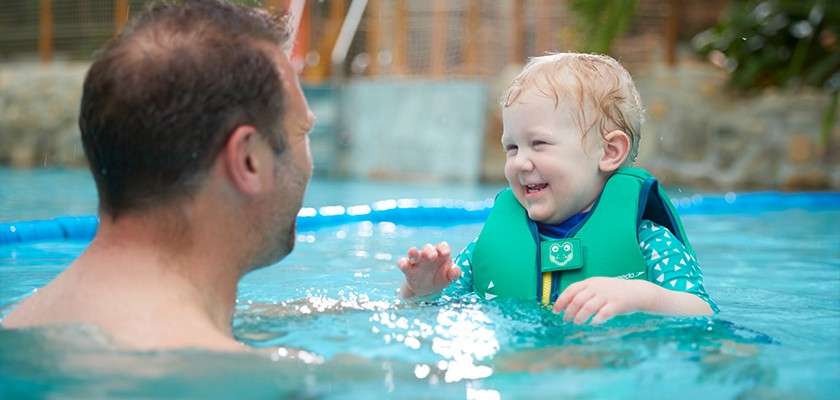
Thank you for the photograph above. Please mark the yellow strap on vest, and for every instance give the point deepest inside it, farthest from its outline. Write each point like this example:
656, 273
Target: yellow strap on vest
546, 288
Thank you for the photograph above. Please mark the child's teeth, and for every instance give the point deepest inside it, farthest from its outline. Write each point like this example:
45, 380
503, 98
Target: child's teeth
534, 188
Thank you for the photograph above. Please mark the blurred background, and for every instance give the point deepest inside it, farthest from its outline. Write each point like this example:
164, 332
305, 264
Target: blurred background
740, 95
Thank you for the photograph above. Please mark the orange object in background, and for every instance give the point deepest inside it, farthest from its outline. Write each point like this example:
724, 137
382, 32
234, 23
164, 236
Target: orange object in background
298, 12
45, 31
121, 11
327, 34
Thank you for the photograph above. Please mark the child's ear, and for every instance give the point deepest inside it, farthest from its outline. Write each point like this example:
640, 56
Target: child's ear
616, 148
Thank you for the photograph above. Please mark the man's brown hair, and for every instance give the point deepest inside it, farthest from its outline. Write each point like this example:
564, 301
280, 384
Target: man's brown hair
162, 98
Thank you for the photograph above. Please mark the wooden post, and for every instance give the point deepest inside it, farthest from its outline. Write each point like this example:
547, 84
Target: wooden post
120, 15
310, 73
517, 53
374, 32
45, 31
672, 32
472, 38
544, 31
331, 30
338, 8
401, 30
439, 39
301, 44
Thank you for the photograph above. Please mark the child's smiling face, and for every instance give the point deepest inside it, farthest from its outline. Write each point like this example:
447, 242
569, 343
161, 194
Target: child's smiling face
551, 167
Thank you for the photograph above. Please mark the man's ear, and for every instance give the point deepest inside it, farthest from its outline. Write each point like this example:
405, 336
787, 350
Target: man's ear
244, 160
616, 146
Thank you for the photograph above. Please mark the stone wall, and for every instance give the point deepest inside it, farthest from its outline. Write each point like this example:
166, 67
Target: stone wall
39, 107
697, 134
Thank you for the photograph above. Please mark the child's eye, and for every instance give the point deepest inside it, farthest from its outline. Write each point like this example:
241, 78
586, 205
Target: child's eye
537, 143
511, 148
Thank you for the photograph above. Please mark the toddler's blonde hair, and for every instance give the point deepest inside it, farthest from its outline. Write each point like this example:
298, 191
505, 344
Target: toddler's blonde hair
597, 82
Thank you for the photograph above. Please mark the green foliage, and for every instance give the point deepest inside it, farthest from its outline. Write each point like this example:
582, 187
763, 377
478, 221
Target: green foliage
777, 43
780, 43
601, 21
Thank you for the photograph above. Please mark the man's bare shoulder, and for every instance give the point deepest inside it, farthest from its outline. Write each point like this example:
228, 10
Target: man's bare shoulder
19, 317
41, 308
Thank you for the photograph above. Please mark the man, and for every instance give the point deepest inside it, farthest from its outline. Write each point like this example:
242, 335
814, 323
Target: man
195, 128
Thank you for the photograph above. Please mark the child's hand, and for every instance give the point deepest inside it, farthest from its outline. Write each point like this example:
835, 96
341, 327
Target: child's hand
427, 271
604, 298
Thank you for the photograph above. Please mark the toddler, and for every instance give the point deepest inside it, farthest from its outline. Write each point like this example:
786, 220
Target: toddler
578, 228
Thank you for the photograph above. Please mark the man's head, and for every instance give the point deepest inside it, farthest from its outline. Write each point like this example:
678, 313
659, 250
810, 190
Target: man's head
194, 90
556, 165
162, 98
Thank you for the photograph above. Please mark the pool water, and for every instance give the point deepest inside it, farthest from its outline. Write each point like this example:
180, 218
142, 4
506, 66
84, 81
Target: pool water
775, 275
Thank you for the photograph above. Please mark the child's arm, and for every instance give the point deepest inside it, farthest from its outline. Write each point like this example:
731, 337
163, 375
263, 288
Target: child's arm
675, 285
603, 298
427, 271
670, 265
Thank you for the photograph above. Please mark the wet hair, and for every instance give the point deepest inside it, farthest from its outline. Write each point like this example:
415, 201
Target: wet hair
161, 99
596, 82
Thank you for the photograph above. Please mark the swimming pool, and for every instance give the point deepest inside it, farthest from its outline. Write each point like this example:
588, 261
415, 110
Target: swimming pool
773, 269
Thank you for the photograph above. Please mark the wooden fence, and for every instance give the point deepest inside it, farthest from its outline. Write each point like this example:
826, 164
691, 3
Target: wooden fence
432, 38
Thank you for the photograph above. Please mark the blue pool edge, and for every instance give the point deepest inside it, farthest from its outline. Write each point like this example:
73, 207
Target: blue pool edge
432, 212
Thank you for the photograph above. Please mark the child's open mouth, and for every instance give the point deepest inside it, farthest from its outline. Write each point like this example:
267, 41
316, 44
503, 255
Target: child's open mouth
536, 188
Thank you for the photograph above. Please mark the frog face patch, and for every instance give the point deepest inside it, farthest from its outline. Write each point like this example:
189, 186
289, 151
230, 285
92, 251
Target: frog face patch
559, 255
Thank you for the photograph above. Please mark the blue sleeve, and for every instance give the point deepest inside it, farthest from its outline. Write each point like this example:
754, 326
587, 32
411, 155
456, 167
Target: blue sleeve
669, 264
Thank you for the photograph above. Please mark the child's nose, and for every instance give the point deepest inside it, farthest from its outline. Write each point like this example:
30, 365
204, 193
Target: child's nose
523, 162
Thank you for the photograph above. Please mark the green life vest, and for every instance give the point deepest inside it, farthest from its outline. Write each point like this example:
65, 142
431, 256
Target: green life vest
511, 260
